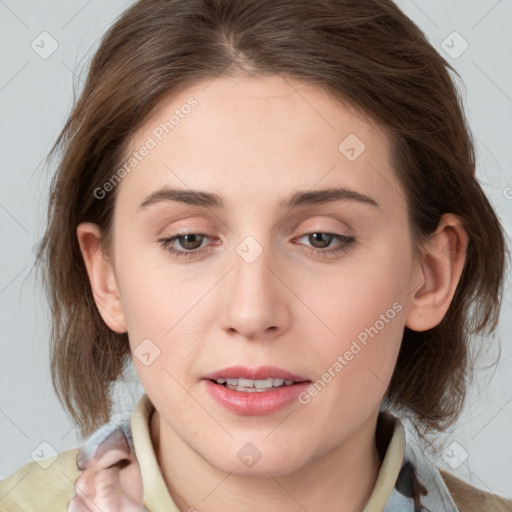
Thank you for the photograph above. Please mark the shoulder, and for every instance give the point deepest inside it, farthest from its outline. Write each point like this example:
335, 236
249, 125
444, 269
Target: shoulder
470, 499
45, 486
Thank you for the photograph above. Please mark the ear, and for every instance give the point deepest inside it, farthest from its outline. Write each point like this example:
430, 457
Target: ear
101, 276
437, 274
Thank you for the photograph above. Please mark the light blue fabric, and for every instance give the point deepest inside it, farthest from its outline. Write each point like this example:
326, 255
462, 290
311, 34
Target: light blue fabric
419, 486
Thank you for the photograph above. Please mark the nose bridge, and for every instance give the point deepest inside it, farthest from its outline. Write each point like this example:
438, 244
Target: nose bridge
254, 302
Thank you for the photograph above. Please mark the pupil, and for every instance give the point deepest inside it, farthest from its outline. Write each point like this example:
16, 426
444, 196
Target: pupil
188, 242
317, 236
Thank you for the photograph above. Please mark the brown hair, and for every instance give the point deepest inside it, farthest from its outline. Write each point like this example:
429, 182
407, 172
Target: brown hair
368, 55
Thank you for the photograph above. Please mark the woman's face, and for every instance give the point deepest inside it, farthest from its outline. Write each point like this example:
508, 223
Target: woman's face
275, 271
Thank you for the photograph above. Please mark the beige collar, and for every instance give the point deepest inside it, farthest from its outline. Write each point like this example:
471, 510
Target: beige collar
157, 497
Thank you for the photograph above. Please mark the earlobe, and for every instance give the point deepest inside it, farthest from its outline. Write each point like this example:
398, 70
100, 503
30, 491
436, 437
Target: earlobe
101, 276
437, 273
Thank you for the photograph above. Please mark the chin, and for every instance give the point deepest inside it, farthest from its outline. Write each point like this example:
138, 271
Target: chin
253, 459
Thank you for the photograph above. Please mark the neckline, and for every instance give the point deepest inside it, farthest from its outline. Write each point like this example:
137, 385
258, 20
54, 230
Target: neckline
389, 435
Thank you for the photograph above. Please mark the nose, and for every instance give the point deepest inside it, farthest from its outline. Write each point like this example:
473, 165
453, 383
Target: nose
255, 297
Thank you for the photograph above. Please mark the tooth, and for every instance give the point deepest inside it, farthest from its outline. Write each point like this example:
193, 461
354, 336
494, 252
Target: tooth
250, 384
245, 383
247, 390
264, 384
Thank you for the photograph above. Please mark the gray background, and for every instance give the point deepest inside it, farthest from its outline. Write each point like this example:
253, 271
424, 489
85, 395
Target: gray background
36, 95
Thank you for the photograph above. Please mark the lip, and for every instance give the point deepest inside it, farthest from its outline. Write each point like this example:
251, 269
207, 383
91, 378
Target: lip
260, 373
255, 403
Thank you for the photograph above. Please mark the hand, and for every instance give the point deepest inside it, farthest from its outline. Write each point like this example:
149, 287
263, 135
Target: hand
111, 480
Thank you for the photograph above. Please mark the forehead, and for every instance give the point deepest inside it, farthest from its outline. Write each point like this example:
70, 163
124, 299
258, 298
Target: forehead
251, 134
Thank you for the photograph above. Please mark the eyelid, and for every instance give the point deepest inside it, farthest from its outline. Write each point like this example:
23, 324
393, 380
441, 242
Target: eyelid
345, 243
184, 223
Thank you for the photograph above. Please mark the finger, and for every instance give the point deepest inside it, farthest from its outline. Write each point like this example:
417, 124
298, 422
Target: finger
100, 490
103, 491
108, 489
115, 441
87, 482
77, 505
85, 489
113, 438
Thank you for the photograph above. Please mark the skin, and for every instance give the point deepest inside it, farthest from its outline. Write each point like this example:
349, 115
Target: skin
255, 141
110, 479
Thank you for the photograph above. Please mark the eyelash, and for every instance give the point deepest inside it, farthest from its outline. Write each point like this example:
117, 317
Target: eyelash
346, 244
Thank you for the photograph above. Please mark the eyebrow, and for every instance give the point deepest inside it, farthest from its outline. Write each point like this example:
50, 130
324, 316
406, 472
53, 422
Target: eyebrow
210, 200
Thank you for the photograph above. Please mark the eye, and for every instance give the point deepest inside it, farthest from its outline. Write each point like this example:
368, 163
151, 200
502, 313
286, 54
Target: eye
189, 241
192, 243
320, 240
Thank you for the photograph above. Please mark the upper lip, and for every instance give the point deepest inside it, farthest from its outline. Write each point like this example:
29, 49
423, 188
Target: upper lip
259, 373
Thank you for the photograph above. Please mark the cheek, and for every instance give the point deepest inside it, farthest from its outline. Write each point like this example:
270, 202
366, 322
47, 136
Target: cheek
352, 296
156, 295
168, 317
362, 308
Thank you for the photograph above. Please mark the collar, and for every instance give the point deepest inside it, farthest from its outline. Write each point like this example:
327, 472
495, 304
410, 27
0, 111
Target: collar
419, 486
407, 480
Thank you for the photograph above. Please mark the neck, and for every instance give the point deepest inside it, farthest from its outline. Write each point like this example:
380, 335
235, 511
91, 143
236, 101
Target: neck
341, 479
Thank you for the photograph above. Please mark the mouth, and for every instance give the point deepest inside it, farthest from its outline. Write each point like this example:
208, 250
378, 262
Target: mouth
254, 386
254, 391
262, 378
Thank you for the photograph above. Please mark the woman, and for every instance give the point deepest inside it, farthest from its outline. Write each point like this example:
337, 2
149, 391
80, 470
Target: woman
272, 207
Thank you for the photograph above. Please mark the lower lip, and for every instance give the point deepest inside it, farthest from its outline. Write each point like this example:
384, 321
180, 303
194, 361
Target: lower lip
255, 403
